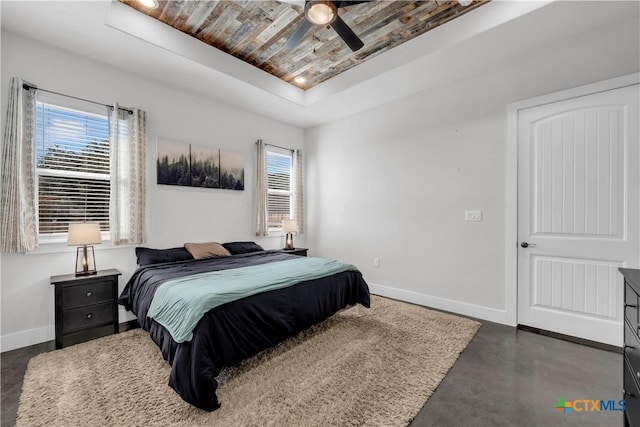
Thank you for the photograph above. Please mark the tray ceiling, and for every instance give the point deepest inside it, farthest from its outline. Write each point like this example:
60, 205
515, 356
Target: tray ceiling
256, 31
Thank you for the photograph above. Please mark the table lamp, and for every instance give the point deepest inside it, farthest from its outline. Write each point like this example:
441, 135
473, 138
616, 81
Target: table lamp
83, 235
289, 226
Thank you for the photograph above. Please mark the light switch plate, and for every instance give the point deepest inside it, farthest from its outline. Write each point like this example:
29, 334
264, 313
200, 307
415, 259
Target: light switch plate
473, 215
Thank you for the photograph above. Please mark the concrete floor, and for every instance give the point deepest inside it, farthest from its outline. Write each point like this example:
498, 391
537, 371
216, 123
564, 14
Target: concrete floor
509, 377
14, 365
505, 377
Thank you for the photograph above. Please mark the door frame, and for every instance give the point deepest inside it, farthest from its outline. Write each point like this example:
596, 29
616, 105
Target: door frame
511, 199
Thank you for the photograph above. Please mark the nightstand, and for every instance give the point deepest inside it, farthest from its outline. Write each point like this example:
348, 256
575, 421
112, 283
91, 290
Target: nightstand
296, 251
85, 306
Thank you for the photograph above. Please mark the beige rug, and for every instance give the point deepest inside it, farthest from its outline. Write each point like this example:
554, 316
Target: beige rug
362, 367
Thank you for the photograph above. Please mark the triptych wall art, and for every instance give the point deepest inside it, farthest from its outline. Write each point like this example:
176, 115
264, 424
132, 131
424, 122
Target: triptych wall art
194, 165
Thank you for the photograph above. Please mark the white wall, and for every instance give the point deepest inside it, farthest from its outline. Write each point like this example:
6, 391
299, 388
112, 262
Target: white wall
174, 215
394, 182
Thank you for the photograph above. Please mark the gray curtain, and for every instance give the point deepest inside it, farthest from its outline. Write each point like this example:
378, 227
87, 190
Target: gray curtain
298, 190
262, 228
19, 231
128, 140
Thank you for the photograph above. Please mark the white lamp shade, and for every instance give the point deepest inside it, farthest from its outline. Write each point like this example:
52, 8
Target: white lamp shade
290, 226
84, 233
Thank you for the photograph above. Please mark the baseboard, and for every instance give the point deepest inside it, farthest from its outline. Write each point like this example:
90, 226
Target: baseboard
26, 338
47, 333
463, 308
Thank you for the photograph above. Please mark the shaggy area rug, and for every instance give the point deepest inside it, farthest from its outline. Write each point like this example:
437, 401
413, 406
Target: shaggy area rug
361, 367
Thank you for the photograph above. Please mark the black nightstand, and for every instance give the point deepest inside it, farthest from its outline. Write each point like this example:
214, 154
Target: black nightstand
86, 306
296, 251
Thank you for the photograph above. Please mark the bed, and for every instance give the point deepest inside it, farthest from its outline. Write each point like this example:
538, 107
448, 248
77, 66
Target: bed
235, 330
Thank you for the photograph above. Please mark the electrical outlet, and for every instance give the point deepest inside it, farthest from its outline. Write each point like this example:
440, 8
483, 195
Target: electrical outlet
376, 262
473, 215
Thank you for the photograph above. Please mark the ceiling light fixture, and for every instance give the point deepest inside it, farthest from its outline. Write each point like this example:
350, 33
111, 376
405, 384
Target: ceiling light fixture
151, 4
320, 12
300, 80
465, 3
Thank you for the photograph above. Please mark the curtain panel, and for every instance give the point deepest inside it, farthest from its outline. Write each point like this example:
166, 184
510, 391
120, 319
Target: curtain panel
18, 232
128, 138
298, 190
261, 190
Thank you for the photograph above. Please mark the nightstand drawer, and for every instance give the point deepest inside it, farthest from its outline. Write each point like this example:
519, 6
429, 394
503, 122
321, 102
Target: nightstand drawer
86, 317
82, 295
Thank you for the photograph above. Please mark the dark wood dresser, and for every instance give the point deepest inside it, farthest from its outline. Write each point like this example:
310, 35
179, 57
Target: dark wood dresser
86, 307
631, 347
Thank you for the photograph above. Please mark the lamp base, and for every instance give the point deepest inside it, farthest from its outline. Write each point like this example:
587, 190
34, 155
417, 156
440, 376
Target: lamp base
85, 261
288, 244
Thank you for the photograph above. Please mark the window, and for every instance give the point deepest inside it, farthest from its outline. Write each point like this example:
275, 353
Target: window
279, 187
72, 163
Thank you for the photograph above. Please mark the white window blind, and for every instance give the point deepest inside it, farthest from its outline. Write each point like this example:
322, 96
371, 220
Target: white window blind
72, 165
279, 191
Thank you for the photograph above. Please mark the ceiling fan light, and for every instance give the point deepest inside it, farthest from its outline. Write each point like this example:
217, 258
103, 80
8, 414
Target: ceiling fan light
465, 3
151, 4
320, 12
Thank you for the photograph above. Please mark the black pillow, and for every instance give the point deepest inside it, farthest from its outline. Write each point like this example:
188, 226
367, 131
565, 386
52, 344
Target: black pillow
148, 256
242, 247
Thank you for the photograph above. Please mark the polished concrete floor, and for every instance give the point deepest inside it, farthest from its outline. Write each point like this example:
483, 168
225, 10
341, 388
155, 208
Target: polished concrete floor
505, 377
509, 377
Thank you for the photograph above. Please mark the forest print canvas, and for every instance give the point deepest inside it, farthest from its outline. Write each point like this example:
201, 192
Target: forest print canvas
173, 163
231, 170
199, 166
205, 166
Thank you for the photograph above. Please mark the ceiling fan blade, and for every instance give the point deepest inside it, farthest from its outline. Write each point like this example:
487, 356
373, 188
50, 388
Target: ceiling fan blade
346, 3
347, 34
302, 30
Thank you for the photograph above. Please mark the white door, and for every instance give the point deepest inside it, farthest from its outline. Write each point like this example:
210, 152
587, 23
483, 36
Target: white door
578, 212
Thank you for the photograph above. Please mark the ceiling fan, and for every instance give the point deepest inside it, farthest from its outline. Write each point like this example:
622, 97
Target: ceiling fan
324, 12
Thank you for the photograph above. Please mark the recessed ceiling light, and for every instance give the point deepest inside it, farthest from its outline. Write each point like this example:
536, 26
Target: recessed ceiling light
465, 2
151, 4
300, 80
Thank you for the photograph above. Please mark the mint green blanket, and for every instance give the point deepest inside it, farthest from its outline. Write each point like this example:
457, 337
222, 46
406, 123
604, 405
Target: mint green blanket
179, 304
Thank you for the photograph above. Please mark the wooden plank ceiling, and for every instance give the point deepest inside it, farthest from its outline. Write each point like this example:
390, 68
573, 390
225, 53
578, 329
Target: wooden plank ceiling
256, 31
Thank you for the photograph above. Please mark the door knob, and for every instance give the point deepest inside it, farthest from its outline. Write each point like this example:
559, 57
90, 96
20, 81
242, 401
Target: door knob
528, 245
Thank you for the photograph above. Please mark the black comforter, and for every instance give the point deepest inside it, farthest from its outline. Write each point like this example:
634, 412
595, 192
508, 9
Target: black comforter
237, 330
